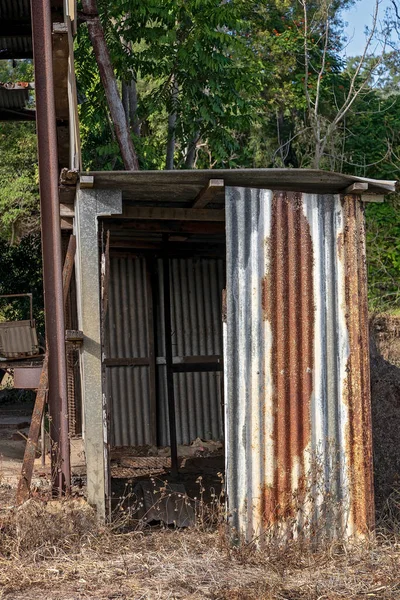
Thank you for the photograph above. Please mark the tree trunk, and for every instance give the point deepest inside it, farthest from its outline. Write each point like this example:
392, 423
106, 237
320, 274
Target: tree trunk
108, 80
125, 100
133, 106
318, 153
191, 152
169, 163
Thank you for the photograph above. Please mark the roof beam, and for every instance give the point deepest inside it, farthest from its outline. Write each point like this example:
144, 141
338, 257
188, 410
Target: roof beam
17, 114
173, 227
10, 29
6, 54
356, 188
208, 193
157, 213
171, 214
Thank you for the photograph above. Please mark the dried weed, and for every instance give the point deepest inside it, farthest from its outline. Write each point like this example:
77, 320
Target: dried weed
57, 551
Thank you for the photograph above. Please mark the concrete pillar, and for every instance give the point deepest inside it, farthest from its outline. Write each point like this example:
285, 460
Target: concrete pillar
89, 205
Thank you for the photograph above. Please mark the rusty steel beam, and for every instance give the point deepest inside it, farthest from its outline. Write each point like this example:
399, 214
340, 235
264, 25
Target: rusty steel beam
24, 484
51, 242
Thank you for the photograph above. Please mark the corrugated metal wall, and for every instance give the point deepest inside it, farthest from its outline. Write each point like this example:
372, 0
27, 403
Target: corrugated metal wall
128, 337
298, 436
196, 289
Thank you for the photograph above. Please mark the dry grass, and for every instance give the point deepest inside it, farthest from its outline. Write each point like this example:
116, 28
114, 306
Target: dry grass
56, 551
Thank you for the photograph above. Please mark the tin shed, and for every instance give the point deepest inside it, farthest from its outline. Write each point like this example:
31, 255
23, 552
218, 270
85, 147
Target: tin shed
277, 365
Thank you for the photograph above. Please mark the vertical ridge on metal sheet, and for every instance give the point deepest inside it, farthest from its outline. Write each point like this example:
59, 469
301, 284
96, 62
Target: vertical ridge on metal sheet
196, 287
298, 432
359, 431
128, 386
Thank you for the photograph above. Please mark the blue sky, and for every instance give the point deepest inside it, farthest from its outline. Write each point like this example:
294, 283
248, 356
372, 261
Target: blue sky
358, 17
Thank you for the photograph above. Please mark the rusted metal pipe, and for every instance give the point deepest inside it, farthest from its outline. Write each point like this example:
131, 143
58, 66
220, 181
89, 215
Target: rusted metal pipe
51, 243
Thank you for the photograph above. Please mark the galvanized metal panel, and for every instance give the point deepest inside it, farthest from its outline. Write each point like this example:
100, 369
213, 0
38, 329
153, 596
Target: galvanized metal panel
128, 386
13, 97
17, 13
196, 289
14, 10
18, 339
196, 286
20, 46
298, 434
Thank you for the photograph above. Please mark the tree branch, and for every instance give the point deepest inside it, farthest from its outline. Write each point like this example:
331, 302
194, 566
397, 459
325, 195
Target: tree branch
108, 80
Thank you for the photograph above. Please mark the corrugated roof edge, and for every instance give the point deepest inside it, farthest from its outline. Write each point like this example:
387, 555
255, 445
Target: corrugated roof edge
19, 85
301, 180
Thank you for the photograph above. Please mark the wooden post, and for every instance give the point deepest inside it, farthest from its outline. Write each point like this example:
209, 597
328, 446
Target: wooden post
24, 484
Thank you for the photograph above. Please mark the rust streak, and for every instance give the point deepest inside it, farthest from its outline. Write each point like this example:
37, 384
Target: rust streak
357, 393
288, 304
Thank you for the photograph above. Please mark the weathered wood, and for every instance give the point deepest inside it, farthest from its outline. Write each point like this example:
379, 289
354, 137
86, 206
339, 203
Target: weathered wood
356, 188
171, 214
86, 181
159, 226
68, 267
185, 185
66, 193
379, 198
208, 193
68, 177
66, 224
108, 80
24, 484
66, 211
74, 335
60, 69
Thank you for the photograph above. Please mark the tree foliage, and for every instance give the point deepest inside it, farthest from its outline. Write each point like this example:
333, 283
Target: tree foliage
237, 83
19, 193
21, 272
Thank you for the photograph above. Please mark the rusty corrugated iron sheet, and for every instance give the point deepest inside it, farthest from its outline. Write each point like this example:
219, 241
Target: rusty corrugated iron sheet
298, 434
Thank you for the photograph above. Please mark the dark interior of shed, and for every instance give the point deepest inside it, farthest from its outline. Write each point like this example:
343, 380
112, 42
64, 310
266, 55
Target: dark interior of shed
162, 289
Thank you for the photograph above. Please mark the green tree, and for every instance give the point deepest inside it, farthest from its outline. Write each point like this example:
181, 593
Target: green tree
19, 192
195, 75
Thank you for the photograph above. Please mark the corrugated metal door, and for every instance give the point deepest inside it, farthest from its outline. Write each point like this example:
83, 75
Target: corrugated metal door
196, 290
135, 350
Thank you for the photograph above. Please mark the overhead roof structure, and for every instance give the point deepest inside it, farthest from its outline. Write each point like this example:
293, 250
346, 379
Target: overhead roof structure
15, 29
184, 186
